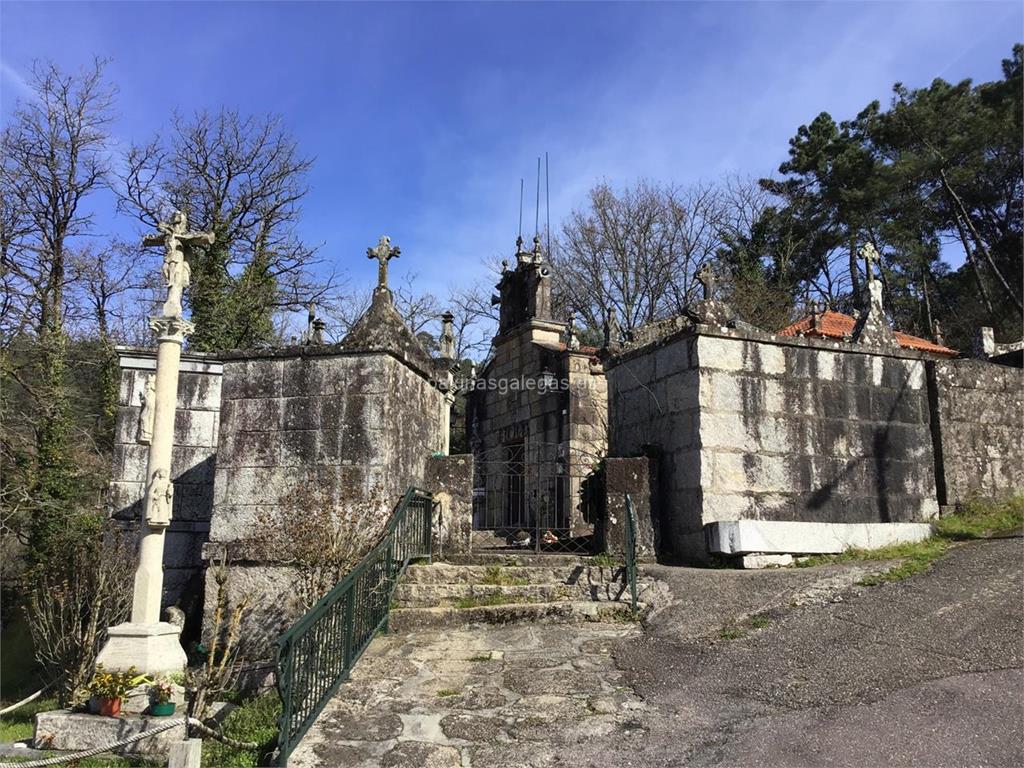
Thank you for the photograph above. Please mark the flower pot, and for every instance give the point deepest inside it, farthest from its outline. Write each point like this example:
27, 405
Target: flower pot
110, 707
162, 709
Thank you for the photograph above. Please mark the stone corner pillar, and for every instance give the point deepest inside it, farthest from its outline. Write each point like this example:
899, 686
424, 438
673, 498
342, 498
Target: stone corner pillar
450, 479
632, 476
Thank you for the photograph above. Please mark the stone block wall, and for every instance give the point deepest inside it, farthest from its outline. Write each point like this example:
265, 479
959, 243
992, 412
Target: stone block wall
654, 411
801, 432
193, 460
980, 437
349, 426
749, 426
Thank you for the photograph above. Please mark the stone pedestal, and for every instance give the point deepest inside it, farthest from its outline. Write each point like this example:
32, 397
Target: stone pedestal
151, 648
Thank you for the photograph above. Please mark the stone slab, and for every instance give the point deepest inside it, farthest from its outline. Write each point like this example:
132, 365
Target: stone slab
69, 731
752, 562
776, 537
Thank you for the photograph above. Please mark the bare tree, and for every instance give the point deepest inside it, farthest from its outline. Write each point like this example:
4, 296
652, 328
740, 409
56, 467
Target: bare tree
54, 157
243, 178
475, 320
634, 252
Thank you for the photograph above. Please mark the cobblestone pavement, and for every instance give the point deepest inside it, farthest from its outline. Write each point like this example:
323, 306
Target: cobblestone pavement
482, 696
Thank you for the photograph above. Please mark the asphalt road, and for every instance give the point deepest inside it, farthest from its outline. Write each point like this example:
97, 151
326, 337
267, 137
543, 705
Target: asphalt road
922, 672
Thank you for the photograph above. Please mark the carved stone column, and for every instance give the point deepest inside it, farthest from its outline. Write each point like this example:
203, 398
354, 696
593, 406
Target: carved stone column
145, 642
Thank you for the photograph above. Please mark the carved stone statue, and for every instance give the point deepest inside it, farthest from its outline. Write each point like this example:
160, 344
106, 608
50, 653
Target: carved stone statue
160, 499
174, 237
147, 411
612, 332
383, 253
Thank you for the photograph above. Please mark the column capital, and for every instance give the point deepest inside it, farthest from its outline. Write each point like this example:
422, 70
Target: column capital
171, 328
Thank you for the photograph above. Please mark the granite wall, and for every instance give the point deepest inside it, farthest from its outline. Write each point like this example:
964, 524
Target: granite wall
745, 425
192, 463
351, 426
979, 439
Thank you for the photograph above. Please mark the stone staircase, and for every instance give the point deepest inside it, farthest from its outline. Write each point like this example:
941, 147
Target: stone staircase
499, 588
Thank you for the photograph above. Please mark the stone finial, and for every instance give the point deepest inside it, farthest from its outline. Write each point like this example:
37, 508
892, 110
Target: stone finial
871, 257
872, 328
985, 342
319, 326
538, 255
174, 236
447, 340
612, 332
706, 277
937, 334
383, 252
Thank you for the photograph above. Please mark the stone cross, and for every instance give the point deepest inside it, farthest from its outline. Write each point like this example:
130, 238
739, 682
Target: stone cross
383, 253
870, 256
174, 236
706, 277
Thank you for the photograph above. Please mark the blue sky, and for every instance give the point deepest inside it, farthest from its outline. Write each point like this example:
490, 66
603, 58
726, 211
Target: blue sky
423, 117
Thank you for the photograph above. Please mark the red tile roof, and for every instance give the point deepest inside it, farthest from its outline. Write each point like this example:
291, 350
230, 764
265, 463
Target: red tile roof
836, 325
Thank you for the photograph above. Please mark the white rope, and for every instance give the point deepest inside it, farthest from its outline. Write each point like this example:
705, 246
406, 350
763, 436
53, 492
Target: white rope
198, 725
23, 702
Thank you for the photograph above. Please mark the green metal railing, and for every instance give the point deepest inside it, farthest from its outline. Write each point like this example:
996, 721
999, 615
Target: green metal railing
631, 550
315, 656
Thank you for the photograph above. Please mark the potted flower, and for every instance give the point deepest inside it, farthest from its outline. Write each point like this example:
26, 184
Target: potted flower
108, 688
161, 692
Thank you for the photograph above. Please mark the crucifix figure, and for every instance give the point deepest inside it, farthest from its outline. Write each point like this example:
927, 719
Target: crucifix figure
174, 237
383, 253
706, 277
870, 256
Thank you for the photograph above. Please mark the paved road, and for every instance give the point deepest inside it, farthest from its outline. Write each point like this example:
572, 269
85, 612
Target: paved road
923, 672
816, 671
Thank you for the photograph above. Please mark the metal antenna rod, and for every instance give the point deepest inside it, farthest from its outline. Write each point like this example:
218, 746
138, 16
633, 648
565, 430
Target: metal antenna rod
536, 215
520, 209
547, 201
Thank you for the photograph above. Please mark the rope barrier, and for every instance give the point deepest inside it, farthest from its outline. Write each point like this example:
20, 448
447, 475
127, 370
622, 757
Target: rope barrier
193, 722
23, 702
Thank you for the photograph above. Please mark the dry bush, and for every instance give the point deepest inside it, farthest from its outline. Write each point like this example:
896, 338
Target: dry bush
71, 602
219, 673
319, 537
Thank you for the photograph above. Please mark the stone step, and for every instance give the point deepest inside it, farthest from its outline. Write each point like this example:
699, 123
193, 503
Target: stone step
513, 575
517, 557
411, 619
426, 595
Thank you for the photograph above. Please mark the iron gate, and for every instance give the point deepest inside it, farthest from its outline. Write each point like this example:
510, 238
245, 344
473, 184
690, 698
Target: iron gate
538, 497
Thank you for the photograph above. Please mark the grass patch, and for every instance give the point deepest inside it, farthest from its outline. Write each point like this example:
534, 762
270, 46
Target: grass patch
488, 600
973, 520
732, 633
480, 657
494, 575
255, 720
608, 561
736, 631
20, 724
445, 693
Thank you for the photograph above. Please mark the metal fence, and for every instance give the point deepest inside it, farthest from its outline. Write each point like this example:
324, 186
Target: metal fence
631, 535
315, 656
